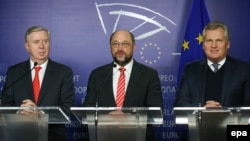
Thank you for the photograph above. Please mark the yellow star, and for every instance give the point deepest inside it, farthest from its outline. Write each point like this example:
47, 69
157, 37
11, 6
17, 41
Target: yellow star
185, 45
199, 38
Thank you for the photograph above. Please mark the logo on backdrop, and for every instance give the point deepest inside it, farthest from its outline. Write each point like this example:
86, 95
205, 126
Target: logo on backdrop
146, 24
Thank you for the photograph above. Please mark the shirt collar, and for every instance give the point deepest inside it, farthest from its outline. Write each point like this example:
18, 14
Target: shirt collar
128, 67
44, 65
221, 63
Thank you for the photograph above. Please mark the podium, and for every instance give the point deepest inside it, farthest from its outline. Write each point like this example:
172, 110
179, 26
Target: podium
15, 126
206, 124
130, 125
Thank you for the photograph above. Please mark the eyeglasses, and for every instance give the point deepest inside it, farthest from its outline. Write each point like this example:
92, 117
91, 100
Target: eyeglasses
117, 44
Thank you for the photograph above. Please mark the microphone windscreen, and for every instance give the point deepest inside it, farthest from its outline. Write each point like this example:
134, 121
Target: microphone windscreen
35, 63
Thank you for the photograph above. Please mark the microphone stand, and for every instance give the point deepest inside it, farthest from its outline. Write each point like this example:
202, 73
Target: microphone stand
96, 120
199, 122
18, 79
199, 114
97, 99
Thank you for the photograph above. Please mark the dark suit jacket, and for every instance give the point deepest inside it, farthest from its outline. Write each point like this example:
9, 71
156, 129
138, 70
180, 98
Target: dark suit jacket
57, 87
235, 87
144, 87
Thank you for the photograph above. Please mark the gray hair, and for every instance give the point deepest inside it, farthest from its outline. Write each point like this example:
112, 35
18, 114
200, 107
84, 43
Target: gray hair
35, 29
215, 25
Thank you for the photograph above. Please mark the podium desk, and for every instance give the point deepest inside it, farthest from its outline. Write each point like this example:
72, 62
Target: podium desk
130, 125
15, 126
206, 124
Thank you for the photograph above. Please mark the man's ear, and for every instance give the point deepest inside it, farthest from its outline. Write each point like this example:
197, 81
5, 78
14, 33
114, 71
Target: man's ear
26, 46
228, 44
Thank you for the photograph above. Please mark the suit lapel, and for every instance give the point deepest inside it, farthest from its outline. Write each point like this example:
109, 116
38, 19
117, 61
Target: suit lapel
29, 86
47, 80
107, 88
228, 71
134, 78
201, 77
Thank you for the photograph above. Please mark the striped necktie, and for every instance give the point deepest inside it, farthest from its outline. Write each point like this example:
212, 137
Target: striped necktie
120, 88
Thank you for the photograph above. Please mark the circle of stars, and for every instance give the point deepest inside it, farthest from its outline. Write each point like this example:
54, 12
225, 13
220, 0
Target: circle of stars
158, 53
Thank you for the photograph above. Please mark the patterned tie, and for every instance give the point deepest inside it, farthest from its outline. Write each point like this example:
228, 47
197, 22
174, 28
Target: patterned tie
36, 84
120, 88
216, 67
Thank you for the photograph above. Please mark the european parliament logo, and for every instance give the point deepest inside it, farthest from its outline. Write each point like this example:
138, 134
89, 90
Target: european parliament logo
150, 27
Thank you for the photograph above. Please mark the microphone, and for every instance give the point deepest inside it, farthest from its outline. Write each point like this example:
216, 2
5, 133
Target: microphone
18, 79
203, 87
103, 82
199, 116
97, 98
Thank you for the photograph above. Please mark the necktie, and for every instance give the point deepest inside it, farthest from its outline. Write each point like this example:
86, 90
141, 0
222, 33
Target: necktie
36, 84
216, 67
120, 88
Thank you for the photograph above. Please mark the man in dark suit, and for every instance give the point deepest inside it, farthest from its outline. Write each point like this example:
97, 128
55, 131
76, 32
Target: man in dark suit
142, 85
217, 81
56, 80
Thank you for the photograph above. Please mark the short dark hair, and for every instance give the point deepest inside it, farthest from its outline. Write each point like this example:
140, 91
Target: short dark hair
130, 33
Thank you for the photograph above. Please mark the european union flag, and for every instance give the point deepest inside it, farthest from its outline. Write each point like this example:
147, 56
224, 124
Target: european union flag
192, 43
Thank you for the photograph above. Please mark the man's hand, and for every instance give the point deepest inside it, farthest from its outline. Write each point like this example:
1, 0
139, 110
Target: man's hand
212, 103
31, 108
117, 112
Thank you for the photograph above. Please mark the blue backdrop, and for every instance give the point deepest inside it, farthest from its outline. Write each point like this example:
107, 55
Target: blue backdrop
80, 39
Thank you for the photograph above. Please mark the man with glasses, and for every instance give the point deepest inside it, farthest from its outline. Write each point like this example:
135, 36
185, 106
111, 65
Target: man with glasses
141, 86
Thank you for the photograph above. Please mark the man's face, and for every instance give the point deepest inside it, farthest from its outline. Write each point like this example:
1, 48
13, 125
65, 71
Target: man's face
122, 47
215, 45
38, 46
